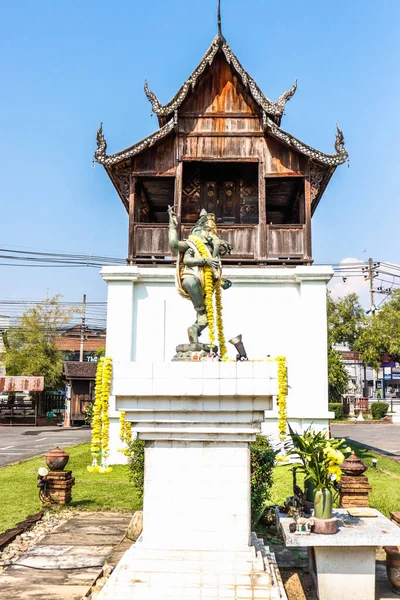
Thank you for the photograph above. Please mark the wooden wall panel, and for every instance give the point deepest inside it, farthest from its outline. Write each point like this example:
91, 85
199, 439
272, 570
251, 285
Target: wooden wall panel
152, 240
157, 160
242, 238
286, 241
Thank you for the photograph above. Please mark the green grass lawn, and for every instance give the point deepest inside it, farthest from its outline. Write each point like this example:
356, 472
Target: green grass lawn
385, 481
92, 491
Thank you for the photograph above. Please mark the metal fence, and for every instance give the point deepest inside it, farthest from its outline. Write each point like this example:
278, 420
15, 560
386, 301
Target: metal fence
52, 402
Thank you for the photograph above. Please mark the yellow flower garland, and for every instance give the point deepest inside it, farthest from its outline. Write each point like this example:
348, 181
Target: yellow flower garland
125, 433
101, 423
282, 396
210, 286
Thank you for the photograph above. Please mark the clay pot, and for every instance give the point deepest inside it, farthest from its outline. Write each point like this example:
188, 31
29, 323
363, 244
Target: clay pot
393, 567
56, 459
323, 504
353, 466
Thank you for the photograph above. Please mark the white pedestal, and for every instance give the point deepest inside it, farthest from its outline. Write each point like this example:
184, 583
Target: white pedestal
279, 311
345, 573
197, 420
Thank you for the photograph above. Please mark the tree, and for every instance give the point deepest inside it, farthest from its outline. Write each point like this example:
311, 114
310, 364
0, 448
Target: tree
381, 333
346, 322
30, 346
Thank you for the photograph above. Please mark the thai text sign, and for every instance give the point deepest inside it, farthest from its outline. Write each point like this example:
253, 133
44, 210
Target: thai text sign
21, 384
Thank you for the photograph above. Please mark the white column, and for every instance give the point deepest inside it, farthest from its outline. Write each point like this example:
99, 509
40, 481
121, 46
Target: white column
345, 573
197, 495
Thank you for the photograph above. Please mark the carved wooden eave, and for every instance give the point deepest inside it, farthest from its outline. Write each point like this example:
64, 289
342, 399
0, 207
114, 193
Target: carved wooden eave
118, 165
322, 165
274, 110
107, 160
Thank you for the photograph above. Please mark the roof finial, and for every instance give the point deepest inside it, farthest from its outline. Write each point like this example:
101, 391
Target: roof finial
219, 18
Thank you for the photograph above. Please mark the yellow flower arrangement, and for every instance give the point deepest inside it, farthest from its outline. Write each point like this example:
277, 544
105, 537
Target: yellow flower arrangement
282, 396
211, 286
125, 433
101, 422
220, 325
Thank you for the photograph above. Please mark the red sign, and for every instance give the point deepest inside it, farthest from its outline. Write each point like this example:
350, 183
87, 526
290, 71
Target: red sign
21, 384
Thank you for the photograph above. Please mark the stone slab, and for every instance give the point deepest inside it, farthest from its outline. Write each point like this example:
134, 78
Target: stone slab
14, 575
66, 571
65, 557
101, 531
43, 592
90, 539
353, 531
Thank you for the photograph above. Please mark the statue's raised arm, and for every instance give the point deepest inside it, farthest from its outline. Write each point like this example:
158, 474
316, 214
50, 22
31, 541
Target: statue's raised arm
174, 242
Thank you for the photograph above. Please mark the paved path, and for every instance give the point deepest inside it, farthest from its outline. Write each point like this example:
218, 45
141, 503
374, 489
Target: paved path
382, 438
18, 443
64, 564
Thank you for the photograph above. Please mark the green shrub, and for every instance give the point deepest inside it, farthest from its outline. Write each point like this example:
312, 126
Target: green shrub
262, 459
136, 466
337, 408
379, 410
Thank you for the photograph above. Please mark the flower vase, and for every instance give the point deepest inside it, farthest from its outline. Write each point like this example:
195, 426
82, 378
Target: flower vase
323, 504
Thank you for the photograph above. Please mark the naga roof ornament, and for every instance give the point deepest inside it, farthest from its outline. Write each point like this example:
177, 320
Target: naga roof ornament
101, 157
331, 160
101, 145
274, 109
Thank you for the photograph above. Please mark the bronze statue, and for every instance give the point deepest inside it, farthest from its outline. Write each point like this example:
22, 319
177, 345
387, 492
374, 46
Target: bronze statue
191, 264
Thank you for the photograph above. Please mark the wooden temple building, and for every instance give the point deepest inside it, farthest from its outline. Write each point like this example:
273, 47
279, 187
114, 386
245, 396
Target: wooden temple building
220, 146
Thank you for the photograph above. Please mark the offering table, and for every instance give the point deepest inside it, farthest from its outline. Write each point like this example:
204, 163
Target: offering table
343, 564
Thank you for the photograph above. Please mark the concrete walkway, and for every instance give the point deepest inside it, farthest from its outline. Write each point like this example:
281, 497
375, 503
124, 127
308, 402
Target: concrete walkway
380, 437
65, 563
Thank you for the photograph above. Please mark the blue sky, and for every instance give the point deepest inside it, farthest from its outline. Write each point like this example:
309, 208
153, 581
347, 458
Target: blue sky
66, 66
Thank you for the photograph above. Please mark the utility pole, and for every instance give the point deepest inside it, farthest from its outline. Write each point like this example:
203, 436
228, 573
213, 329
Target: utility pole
82, 329
371, 286
372, 273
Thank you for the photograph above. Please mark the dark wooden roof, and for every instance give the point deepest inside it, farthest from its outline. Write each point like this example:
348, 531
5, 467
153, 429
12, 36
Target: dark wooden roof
79, 370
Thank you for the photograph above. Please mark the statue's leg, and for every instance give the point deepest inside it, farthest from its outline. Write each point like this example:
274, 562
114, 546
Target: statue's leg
192, 286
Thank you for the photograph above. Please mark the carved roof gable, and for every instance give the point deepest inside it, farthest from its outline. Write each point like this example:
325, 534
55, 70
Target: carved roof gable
273, 109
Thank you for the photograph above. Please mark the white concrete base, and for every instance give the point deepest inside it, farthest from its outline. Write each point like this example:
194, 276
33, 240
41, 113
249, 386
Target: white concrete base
144, 574
197, 494
345, 573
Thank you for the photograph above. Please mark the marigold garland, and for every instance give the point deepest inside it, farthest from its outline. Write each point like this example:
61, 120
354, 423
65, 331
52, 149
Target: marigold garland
282, 395
101, 423
125, 433
210, 286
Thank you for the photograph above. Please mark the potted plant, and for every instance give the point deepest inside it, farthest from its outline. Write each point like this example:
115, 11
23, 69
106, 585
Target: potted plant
320, 458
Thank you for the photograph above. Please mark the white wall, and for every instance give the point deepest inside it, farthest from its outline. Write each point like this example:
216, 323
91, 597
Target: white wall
279, 311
